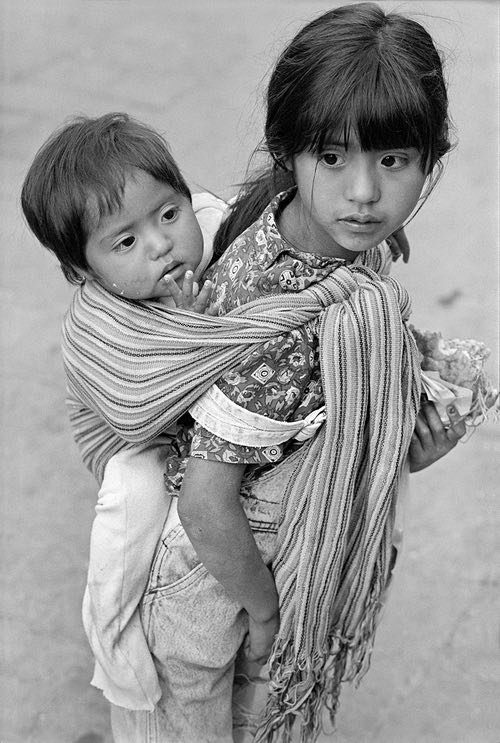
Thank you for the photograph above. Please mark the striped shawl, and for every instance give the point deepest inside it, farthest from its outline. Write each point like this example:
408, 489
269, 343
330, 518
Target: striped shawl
141, 366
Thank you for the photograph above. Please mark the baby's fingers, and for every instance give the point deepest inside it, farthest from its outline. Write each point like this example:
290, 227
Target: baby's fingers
189, 289
174, 291
203, 299
184, 298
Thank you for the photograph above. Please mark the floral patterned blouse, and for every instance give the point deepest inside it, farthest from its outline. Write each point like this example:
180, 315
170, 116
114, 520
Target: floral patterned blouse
282, 379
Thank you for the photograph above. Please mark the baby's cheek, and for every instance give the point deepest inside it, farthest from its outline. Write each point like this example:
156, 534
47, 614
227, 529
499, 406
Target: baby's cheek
137, 287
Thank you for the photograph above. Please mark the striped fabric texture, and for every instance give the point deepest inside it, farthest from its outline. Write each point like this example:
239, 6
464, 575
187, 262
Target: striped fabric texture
335, 535
138, 367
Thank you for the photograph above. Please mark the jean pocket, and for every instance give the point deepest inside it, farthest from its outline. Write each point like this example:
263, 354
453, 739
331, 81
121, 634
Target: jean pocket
175, 565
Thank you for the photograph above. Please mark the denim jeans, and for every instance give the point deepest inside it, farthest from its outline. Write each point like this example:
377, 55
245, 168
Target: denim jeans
210, 692
195, 630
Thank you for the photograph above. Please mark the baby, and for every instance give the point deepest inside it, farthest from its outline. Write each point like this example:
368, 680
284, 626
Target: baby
105, 196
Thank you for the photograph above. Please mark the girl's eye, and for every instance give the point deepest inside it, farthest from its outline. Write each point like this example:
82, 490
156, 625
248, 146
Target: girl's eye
125, 243
169, 214
393, 162
332, 159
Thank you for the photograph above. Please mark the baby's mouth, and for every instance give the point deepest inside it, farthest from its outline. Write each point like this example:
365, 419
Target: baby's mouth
169, 271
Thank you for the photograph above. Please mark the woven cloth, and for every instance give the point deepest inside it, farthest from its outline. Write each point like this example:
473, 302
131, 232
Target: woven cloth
133, 368
338, 510
141, 366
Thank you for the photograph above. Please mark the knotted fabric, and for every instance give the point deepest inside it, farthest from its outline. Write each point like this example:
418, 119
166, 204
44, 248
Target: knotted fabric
338, 509
140, 366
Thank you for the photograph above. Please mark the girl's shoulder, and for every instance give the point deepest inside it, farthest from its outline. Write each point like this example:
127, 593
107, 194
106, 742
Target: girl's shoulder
210, 210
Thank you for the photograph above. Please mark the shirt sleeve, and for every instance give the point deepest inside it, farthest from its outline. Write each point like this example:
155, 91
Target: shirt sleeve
280, 380
206, 445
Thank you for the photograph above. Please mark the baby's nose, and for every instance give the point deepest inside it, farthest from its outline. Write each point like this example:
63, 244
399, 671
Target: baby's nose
159, 245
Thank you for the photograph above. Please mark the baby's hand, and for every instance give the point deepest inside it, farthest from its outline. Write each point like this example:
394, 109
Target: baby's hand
260, 638
190, 297
431, 440
399, 245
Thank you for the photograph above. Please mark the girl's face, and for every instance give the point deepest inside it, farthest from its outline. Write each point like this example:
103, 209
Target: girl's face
154, 234
348, 201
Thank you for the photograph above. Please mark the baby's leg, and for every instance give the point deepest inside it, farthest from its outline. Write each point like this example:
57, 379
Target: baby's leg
194, 630
130, 513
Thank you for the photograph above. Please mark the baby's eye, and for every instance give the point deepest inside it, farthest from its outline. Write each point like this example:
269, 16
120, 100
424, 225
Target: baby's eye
332, 159
125, 243
393, 162
169, 214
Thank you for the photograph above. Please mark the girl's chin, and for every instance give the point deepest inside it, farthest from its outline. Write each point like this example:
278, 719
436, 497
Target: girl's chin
361, 245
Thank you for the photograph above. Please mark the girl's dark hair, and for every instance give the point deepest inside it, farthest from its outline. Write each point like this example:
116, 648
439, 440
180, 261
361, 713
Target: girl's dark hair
353, 69
79, 175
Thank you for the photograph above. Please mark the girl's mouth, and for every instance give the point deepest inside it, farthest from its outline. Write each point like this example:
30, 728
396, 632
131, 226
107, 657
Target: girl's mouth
360, 219
366, 224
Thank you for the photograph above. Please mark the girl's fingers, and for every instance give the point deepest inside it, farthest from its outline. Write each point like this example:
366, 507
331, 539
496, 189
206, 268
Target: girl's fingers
393, 245
416, 444
430, 426
457, 424
399, 245
432, 418
425, 423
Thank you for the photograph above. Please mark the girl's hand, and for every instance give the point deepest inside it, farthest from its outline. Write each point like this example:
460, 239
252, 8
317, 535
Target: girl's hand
431, 440
260, 638
399, 245
190, 297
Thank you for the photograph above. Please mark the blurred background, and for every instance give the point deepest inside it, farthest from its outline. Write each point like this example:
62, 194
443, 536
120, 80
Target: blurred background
197, 70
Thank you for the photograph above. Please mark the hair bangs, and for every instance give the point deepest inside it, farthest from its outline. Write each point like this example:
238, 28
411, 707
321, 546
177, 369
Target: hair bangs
380, 108
103, 181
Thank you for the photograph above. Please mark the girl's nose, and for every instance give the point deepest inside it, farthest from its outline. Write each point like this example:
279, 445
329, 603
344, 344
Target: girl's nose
362, 185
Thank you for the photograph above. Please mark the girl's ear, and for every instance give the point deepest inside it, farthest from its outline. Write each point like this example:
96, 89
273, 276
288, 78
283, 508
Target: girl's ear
288, 164
284, 163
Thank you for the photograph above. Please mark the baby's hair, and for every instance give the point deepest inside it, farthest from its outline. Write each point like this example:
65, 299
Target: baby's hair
79, 175
354, 70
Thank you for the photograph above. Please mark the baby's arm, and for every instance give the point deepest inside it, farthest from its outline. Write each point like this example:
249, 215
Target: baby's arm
130, 512
431, 440
211, 513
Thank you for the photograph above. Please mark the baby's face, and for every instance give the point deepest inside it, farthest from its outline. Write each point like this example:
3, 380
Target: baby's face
154, 234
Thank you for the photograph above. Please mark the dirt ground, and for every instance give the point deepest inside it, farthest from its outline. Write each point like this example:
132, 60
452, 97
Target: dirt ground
197, 71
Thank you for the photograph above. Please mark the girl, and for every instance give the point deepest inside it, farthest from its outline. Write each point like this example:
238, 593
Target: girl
356, 127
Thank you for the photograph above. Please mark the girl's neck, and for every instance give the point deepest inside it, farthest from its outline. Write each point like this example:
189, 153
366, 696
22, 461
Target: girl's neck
299, 231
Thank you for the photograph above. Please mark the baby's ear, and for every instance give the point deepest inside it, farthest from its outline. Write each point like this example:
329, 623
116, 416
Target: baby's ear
86, 275
90, 275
